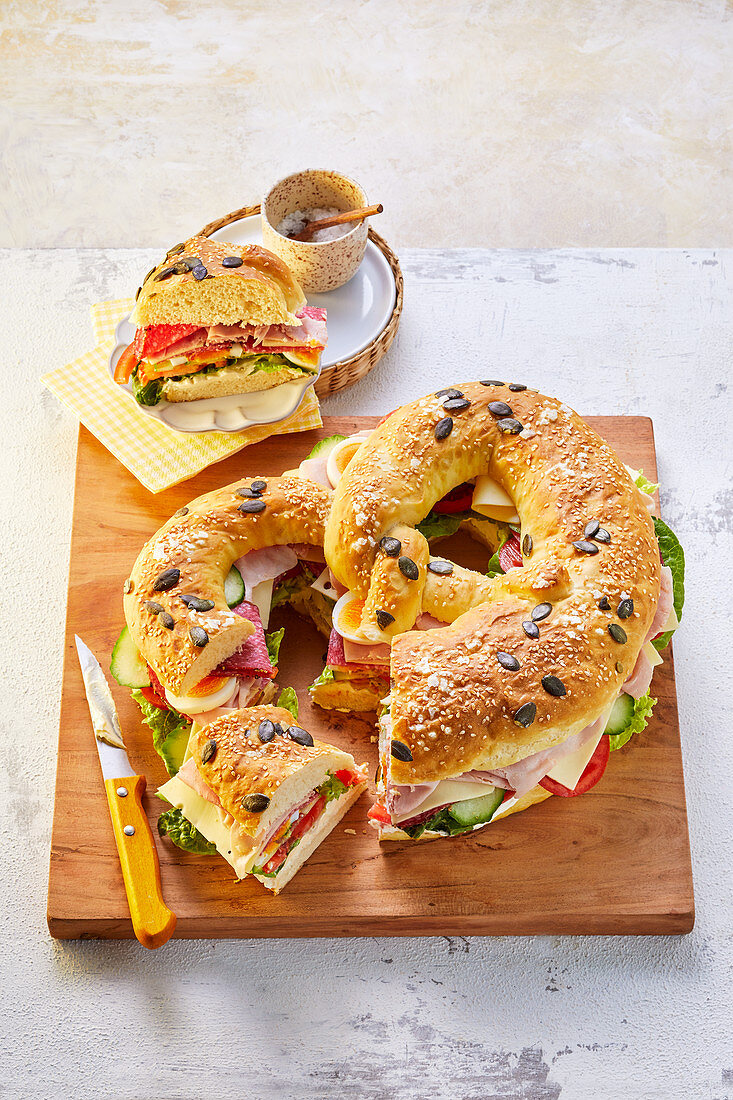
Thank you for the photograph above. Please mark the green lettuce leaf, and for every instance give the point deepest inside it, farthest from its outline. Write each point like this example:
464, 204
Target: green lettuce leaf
436, 526
644, 484
332, 788
180, 830
170, 731
326, 677
640, 716
273, 362
673, 557
273, 641
441, 822
146, 393
289, 700
494, 569
287, 589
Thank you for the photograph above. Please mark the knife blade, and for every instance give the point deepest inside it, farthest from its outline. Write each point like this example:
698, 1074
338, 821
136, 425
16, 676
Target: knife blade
152, 921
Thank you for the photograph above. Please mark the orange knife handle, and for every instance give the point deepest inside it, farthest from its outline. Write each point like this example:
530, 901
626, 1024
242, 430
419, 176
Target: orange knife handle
152, 920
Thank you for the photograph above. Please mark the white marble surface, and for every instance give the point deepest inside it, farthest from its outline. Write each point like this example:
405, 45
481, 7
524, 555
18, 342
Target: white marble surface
446, 1019
497, 123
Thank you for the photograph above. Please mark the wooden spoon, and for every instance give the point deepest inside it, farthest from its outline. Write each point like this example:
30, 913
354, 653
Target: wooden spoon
337, 219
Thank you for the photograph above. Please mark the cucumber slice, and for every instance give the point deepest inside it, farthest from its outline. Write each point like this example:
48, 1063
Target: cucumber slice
477, 811
233, 587
325, 446
621, 715
127, 666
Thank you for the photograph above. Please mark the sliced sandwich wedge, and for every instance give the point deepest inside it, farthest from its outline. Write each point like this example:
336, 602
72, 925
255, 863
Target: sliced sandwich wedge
263, 792
215, 319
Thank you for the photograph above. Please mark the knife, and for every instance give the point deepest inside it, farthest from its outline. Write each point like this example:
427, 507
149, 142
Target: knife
152, 921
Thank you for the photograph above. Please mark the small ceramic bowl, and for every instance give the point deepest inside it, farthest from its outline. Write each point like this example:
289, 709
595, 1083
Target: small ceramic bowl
317, 265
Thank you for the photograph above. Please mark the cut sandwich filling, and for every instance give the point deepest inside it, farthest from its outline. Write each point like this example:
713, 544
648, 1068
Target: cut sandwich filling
265, 579
170, 353
263, 855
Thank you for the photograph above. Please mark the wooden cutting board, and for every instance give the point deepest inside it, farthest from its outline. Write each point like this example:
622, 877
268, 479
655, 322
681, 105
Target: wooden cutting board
616, 860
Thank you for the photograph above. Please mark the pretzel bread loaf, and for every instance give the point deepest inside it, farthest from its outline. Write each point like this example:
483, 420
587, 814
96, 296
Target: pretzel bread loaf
191, 555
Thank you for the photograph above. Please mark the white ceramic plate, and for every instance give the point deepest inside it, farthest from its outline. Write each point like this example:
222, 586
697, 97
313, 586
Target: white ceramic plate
357, 313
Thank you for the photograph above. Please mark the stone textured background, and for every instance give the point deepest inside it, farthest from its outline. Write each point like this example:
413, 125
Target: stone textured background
509, 123
492, 124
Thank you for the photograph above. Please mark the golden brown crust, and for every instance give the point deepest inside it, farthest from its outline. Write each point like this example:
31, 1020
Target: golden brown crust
202, 541
394, 589
452, 703
241, 765
263, 289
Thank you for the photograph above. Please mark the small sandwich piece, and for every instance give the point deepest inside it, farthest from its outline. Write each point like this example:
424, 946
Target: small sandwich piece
263, 791
215, 319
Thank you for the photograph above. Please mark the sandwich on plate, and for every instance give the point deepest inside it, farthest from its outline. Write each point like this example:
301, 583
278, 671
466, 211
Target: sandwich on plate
215, 319
259, 790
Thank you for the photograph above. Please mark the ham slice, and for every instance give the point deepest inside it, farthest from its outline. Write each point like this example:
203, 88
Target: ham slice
251, 659
640, 678
310, 333
526, 774
338, 656
314, 469
520, 777
305, 552
265, 565
428, 622
189, 774
665, 605
375, 655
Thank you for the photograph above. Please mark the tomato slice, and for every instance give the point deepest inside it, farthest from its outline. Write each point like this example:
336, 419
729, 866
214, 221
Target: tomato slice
594, 769
347, 778
300, 827
510, 555
152, 697
125, 365
379, 813
457, 500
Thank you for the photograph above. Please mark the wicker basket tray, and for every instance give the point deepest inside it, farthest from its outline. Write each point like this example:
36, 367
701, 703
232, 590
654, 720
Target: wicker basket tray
341, 375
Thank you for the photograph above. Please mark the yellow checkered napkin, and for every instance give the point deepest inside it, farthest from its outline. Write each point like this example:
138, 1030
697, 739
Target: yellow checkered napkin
158, 456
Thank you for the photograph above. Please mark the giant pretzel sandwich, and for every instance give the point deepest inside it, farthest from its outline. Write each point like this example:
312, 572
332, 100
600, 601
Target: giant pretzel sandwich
493, 690
516, 681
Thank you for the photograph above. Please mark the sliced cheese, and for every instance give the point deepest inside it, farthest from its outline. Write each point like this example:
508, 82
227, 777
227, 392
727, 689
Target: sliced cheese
672, 622
447, 792
490, 500
210, 821
262, 599
569, 770
324, 585
653, 655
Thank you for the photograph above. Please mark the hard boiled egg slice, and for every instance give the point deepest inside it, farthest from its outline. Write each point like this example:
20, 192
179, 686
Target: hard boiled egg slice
342, 454
490, 500
212, 691
346, 618
304, 357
